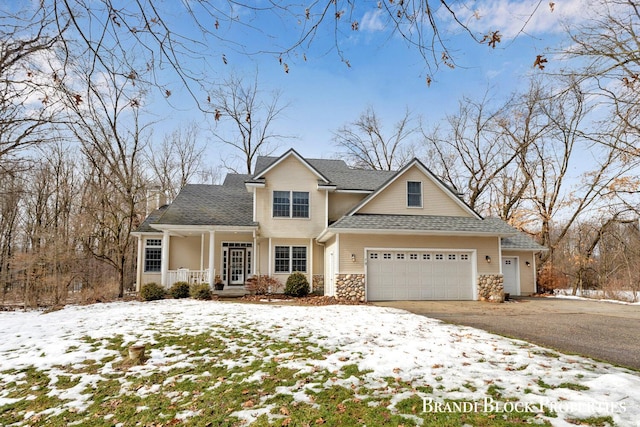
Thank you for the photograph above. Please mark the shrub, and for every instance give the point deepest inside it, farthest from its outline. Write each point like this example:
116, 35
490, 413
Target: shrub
151, 292
262, 285
200, 291
297, 285
179, 290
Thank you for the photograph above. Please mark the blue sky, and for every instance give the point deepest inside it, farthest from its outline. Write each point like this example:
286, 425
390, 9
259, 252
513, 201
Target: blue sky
324, 94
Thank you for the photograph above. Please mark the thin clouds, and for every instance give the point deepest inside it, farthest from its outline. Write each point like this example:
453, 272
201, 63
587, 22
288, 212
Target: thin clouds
514, 17
372, 21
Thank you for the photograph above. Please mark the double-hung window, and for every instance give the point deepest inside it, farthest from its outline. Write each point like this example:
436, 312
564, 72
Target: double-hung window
153, 256
289, 259
291, 204
414, 194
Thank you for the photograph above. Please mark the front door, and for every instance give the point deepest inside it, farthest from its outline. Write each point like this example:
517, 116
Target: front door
237, 257
510, 275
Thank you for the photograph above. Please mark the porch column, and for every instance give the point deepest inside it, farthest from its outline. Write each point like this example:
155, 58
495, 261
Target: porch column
165, 258
202, 252
311, 264
254, 258
139, 263
269, 268
212, 248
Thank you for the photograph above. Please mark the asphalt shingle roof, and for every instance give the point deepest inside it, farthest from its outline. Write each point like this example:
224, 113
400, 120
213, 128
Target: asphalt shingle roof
146, 227
522, 242
422, 223
339, 173
202, 204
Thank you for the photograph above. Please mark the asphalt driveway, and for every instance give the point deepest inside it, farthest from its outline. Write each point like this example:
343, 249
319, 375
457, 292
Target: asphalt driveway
605, 331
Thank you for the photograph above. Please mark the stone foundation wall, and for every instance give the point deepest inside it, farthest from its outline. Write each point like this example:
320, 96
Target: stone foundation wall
350, 287
318, 284
491, 288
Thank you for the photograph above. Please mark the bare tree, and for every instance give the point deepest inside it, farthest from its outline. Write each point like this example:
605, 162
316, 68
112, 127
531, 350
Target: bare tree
608, 65
25, 114
104, 117
471, 151
177, 160
364, 143
244, 119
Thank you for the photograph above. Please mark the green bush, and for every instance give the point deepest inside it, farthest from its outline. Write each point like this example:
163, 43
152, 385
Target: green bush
200, 291
297, 285
179, 290
152, 291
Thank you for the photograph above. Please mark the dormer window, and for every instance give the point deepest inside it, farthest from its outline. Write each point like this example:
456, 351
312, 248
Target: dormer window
291, 204
414, 194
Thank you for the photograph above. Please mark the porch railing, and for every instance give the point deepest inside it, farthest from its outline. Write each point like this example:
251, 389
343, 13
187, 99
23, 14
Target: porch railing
186, 275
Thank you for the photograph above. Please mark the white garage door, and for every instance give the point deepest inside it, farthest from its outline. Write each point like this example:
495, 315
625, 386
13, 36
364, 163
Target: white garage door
419, 275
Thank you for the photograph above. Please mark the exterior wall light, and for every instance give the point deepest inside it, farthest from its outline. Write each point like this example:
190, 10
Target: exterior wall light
528, 264
488, 258
353, 257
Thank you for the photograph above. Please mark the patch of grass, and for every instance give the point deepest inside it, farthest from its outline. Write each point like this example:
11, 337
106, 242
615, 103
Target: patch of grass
470, 386
546, 353
570, 386
573, 386
494, 391
593, 421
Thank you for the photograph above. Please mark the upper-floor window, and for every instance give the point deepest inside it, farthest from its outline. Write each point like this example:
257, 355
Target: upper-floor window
291, 204
153, 256
414, 194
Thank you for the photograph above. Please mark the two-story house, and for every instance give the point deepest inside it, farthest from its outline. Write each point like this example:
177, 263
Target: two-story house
356, 234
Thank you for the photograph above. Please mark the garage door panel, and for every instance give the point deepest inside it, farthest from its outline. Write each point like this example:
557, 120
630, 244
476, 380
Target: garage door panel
419, 275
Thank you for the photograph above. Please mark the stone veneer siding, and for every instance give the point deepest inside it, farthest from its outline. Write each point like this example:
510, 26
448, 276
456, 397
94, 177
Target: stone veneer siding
491, 288
350, 287
318, 284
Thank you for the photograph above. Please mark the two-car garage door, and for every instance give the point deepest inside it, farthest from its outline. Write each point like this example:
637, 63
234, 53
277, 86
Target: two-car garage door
419, 275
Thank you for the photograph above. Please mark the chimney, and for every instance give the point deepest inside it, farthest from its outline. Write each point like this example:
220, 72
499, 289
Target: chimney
155, 198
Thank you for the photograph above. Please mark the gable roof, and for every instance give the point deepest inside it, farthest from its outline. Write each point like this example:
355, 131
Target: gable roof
338, 173
264, 169
437, 181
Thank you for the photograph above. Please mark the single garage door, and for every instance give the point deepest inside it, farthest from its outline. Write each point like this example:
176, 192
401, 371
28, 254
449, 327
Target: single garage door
419, 275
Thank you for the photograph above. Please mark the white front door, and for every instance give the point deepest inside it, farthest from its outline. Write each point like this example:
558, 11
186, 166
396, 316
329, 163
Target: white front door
236, 266
510, 275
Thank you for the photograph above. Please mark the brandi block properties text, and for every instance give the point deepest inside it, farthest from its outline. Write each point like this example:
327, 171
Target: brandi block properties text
489, 405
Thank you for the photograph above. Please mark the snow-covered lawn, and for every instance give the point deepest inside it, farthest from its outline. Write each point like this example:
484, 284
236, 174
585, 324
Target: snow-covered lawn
66, 367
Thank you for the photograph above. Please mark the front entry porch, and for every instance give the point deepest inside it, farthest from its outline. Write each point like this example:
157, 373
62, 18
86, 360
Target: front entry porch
198, 254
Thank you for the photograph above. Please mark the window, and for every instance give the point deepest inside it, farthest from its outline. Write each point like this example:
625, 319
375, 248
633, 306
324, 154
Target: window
300, 204
153, 256
414, 194
290, 258
281, 204
291, 204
